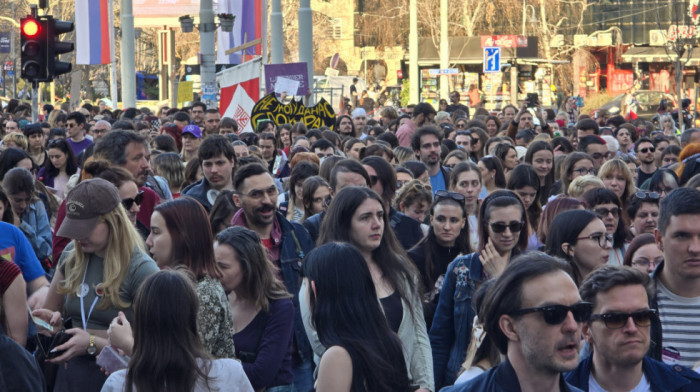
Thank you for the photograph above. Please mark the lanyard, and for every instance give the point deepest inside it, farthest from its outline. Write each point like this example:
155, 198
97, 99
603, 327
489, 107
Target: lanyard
83, 292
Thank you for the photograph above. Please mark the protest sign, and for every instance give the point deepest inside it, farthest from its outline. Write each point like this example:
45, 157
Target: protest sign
270, 108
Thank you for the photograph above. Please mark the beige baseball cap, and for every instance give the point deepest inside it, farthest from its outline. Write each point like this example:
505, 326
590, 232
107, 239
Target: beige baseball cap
85, 204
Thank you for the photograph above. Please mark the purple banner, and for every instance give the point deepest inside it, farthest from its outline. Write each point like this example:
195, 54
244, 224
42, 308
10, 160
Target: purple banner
4, 42
293, 71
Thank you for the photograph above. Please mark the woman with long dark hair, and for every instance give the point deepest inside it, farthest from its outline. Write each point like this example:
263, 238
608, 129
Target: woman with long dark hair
492, 176
605, 203
525, 182
541, 156
182, 237
168, 353
263, 313
466, 179
580, 238
61, 165
357, 216
363, 353
447, 238
502, 235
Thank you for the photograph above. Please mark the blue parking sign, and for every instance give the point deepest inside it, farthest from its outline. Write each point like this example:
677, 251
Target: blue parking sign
492, 59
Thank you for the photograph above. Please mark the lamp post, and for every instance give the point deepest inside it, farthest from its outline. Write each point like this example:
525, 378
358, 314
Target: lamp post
682, 47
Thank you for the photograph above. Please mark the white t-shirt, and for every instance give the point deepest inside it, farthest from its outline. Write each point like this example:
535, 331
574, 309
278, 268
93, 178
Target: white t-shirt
226, 375
469, 374
643, 385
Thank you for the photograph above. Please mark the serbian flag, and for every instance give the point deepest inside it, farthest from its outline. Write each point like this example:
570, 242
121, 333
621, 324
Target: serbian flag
240, 90
94, 32
247, 27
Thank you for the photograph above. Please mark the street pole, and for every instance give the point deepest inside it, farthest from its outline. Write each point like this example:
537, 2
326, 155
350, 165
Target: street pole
206, 47
276, 48
14, 56
524, 12
306, 36
444, 50
35, 101
414, 77
127, 56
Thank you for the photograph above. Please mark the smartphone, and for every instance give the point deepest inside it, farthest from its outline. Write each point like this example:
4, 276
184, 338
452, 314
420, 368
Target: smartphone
532, 100
110, 360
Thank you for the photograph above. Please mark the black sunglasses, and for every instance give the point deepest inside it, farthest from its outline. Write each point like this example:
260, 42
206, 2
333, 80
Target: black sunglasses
603, 212
647, 149
373, 180
644, 195
441, 195
556, 314
500, 227
641, 318
128, 203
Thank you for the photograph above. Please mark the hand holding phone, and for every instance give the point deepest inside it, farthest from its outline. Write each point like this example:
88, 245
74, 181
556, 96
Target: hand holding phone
110, 360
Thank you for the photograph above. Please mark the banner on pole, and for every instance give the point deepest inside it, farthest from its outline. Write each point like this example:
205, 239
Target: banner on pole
94, 32
285, 74
247, 27
240, 89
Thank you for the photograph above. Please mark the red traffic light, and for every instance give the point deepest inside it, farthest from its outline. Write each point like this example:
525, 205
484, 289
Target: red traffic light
30, 28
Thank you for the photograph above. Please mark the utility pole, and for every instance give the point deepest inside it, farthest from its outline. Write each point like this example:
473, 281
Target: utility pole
127, 56
276, 48
306, 36
444, 50
413, 53
207, 69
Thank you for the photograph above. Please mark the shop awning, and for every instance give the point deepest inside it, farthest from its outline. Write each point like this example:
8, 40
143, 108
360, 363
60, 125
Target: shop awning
656, 54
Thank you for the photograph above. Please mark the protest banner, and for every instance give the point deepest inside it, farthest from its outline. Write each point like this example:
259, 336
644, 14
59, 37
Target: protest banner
270, 108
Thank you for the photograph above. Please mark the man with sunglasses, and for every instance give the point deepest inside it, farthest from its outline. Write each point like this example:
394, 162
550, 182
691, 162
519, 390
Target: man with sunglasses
76, 132
618, 333
533, 314
286, 242
644, 151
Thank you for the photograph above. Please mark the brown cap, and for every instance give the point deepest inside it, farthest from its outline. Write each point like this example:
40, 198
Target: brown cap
85, 204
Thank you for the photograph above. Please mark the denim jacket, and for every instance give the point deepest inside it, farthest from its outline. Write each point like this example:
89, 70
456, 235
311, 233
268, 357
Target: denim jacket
36, 227
450, 332
661, 377
502, 378
296, 244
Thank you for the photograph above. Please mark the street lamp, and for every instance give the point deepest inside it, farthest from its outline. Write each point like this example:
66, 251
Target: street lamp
533, 16
225, 22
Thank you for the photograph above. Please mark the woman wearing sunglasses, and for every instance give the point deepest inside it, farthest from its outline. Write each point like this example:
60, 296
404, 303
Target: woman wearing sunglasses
358, 216
580, 238
502, 235
605, 203
448, 237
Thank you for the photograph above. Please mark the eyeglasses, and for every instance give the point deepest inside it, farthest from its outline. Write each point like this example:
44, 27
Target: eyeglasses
583, 171
441, 195
556, 314
373, 180
500, 227
647, 149
128, 203
646, 263
644, 195
641, 318
600, 237
603, 212
258, 194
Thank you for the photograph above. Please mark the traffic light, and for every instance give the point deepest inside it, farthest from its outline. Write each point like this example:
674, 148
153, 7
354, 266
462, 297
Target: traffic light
33, 47
56, 47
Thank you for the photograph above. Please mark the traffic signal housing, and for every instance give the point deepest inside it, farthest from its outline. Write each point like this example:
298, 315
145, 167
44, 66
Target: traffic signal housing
56, 47
33, 48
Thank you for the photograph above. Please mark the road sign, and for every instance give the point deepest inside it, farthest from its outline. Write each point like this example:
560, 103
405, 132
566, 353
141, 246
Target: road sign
492, 59
444, 71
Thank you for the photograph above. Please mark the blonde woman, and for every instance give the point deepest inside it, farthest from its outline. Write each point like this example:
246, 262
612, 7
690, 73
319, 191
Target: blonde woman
97, 277
583, 184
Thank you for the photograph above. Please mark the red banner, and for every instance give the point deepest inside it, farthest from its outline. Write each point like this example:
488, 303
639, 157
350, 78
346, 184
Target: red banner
504, 41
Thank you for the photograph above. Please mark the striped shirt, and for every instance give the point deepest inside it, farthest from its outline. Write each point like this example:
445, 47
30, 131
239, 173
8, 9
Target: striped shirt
680, 325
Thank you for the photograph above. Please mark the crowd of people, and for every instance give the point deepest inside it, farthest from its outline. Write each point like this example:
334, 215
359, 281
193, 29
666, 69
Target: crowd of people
402, 250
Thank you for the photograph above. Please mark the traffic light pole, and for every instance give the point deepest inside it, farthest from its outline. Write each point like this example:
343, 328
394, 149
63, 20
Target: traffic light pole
35, 101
